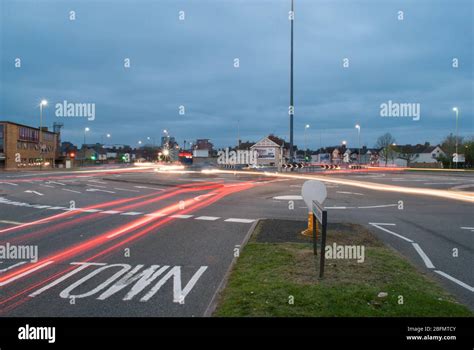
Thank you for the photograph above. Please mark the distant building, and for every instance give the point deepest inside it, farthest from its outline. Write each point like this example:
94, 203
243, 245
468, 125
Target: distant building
21, 146
203, 148
272, 150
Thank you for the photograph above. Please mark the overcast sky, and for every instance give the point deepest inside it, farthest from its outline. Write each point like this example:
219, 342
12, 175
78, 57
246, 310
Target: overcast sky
191, 63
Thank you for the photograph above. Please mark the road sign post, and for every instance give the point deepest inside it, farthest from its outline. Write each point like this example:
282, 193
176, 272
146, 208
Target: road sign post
321, 215
312, 190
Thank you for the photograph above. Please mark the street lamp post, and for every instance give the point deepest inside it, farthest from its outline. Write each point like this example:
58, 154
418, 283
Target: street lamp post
292, 108
305, 145
42, 103
358, 136
456, 110
85, 131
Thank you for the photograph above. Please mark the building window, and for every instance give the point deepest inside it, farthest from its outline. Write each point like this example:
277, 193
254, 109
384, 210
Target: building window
28, 134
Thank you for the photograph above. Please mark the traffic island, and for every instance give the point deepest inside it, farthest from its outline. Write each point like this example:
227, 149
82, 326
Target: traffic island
276, 274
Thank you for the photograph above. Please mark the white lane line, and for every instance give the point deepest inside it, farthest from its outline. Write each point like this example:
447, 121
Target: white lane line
339, 208
37, 193
425, 258
150, 188
27, 272
381, 223
392, 233
156, 215
124, 189
11, 222
132, 213
97, 181
39, 206
455, 280
13, 266
98, 190
208, 218
177, 216
244, 221
345, 192
88, 210
467, 228
96, 186
110, 212
55, 182
57, 208
288, 198
9, 183
66, 189
378, 206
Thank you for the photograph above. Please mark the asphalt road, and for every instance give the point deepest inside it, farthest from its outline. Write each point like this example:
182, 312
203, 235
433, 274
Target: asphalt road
146, 243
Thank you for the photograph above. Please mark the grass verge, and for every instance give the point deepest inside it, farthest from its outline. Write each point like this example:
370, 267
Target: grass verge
269, 276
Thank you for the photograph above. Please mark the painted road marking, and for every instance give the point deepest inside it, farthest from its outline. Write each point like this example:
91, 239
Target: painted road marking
244, 221
27, 272
345, 192
391, 232
34, 192
55, 182
468, 228
288, 198
124, 189
130, 213
425, 258
10, 222
13, 266
98, 190
177, 216
378, 206
66, 189
9, 183
110, 212
208, 218
455, 280
96, 186
136, 279
150, 188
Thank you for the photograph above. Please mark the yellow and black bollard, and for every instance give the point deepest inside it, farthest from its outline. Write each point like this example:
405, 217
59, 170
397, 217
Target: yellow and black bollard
309, 231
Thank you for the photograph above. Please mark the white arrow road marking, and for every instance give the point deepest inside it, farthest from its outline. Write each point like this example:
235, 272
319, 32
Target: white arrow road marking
98, 190
425, 258
244, 221
27, 272
55, 182
455, 280
13, 266
37, 193
391, 232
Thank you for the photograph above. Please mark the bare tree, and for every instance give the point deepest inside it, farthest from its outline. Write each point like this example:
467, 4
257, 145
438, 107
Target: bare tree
386, 144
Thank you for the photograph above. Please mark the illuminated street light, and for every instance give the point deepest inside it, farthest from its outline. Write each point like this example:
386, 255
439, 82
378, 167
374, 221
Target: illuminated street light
357, 126
455, 110
43, 103
305, 145
85, 131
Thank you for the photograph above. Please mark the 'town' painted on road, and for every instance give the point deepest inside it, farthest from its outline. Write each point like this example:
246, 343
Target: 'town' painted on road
137, 278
